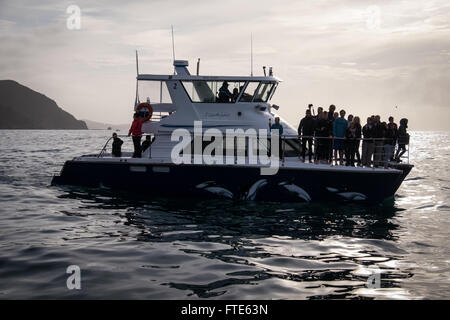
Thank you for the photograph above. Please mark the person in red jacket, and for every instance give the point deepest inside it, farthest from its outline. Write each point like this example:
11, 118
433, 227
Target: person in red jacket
136, 133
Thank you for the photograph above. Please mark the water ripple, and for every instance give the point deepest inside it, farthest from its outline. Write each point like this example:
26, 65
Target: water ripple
139, 248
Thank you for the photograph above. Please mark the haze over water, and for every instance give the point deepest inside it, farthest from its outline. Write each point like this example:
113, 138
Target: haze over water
161, 248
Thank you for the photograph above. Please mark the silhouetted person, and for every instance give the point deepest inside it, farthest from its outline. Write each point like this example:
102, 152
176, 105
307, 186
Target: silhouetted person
306, 130
316, 144
332, 115
235, 94
331, 111
368, 144
357, 122
378, 136
340, 126
116, 146
224, 94
391, 139
346, 143
278, 126
146, 144
353, 131
403, 139
136, 133
323, 132
319, 112
349, 119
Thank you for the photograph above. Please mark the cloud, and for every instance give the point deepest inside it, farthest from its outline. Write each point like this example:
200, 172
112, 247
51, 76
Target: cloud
348, 52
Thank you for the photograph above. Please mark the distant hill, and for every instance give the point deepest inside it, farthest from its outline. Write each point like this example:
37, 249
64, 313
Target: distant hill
94, 125
23, 108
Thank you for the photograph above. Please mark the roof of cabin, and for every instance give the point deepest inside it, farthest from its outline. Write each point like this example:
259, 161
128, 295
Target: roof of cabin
160, 77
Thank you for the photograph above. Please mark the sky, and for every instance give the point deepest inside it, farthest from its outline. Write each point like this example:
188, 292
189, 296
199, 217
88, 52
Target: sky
368, 57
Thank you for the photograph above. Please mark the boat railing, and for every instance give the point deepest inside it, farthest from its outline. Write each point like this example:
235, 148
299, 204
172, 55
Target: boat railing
103, 151
323, 149
369, 152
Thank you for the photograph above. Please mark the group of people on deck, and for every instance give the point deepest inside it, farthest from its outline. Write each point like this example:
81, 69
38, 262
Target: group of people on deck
339, 138
326, 136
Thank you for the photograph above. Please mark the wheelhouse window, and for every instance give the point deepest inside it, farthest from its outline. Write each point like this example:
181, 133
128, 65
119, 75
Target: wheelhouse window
263, 92
201, 91
258, 92
249, 92
153, 92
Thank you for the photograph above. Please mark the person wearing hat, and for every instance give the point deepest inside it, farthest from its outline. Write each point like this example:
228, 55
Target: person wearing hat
224, 94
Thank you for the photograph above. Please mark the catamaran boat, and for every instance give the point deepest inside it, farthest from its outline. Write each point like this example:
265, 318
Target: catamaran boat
181, 106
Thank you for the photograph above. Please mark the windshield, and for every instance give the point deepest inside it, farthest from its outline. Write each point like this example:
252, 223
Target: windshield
263, 92
213, 91
257, 92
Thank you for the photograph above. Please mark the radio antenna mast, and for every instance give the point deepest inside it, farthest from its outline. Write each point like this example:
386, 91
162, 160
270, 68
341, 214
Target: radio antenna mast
137, 63
251, 54
173, 49
198, 66
136, 101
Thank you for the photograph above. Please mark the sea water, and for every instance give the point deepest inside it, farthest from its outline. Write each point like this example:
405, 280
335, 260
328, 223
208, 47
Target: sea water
136, 247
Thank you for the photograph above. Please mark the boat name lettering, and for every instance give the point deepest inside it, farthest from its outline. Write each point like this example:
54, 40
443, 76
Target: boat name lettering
216, 115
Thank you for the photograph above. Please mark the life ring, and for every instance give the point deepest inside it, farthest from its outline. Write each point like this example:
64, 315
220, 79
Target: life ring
150, 110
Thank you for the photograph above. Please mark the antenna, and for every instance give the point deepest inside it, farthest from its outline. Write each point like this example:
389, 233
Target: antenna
136, 100
251, 54
173, 49
198, 66
137, 63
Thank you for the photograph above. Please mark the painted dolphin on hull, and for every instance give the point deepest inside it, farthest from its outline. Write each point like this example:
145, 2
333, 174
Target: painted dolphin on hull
213, 188
251, 193
293, 188
355, 196
205, 184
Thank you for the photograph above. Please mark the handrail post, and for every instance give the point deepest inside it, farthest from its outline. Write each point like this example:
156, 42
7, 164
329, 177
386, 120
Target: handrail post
409, 145
104, 148
332, 150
